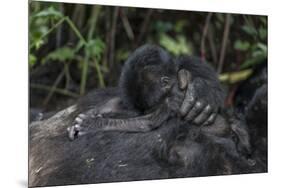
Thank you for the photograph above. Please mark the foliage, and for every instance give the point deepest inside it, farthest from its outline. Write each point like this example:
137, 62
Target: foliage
177, 46
63, 54
39, 25
49, 13
95, 48
256, 44
46, 21
95, 39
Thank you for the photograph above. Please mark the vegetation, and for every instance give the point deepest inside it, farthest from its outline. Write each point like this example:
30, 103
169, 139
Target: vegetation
76, 47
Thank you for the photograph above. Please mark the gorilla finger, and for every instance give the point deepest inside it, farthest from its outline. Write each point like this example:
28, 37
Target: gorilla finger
82, 116
189, 100
184, 78
78, 120
187, 105
204, 115
211, 119
196, 109
71, 132
77, 127
81, 133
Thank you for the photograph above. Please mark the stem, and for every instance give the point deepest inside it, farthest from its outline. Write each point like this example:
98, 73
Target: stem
144, 26
224, 43
70, 23
95, 13
51, 92
74, 28
50, 30
56, 90
59, 30
67, 75
92, 21
127, 25
205, 31
100, 76
210, 36
112, 37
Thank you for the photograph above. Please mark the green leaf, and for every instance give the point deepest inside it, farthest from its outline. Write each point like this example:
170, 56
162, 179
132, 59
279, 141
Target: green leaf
249, 30
257, 59
262, 47
32, 60
263, 33
234, 77
51, 12
177, 46
95, 48
38, 43
61, 54
79, 45
241, 45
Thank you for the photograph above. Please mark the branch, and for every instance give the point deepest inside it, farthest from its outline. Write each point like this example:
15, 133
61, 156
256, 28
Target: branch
56, 90
127, 25
224, 43
205, 31
144, 26
51, 92
112, 36
92, 22
212, 46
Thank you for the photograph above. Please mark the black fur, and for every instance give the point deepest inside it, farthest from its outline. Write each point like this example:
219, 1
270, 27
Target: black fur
148, 78
176, 149
141, 89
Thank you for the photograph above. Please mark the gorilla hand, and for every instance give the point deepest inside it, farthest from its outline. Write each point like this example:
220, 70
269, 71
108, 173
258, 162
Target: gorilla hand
202, 98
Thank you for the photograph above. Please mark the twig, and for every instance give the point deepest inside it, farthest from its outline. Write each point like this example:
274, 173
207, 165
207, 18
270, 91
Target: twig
144, 26
224, 43
205, 31
76, 31
78, 16
49, 31
127, 25
212, 46
59, 31
92, 22
67, 75
91, 33
112, 36
51, 92
56, 90
230, 97
107, 40
70, 23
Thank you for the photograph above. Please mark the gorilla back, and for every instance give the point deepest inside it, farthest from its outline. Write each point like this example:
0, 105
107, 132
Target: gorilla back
175, 149
170, 151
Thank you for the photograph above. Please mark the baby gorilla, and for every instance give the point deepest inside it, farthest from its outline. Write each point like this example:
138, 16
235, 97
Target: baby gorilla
150, 87
148, 80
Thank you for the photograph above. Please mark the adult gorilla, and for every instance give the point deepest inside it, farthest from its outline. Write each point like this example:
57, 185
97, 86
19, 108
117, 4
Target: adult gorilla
176, 149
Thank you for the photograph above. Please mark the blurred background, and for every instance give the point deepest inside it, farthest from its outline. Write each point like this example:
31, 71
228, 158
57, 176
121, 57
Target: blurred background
74, 48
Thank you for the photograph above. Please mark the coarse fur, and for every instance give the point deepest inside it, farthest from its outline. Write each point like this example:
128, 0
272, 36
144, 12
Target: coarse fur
148, 80
177, 148
149, 77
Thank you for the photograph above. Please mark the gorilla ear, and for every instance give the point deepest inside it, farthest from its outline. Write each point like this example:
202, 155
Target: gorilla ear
184, 78
165, 81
